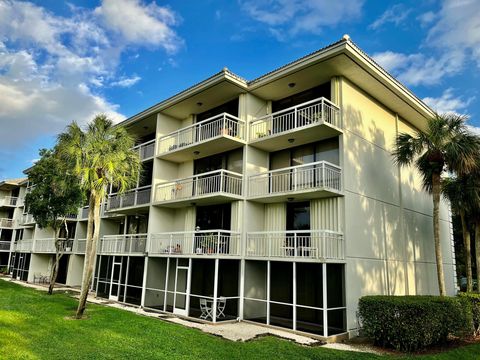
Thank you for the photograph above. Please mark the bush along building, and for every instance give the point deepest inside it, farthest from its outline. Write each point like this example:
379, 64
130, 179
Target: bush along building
274, 201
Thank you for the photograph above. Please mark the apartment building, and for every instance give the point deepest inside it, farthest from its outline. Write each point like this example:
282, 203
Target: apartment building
274, 201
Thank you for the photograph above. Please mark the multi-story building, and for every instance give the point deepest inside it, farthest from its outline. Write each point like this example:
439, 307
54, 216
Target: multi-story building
275, 201
12, 193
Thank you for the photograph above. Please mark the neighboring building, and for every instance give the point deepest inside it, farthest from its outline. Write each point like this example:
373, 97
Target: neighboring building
275, 201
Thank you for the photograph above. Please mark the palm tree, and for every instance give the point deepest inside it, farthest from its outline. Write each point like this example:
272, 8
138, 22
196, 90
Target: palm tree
463, 198
102, 156
445, 145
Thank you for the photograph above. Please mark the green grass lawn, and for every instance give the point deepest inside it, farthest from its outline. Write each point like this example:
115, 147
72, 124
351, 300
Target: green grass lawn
34, 325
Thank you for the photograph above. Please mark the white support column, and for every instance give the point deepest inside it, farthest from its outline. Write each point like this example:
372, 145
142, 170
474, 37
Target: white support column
166, 285
324, 288
215, 292
189, 280
268, 292
144, 282
294, 295
241, 289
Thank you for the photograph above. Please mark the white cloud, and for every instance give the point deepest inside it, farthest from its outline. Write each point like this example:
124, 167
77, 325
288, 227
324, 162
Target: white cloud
396, 15
126, 82
418, 69
138, 23
448, 103
453, 40
289, 17
458, 27
53, 68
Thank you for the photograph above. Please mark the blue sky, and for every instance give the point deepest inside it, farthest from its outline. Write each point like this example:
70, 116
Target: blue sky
64, 61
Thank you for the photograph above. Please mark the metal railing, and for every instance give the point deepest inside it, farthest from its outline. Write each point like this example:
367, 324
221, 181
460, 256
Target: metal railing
317, 111
317, 175
5, 245
48, 245
219, 125
23, 245
27, 219
123, 244
146, 150
307, 244
204, 242
218, 181
134, 197
79, 246
11, 201
6, 223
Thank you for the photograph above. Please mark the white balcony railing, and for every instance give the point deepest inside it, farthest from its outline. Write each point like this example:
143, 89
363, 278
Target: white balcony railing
48, 245
220, 125
146, 150
10, 201
6, 223
123, 244
79, 246
5, 245
23, 245
218, 181
318, 111
307, 244
27, 219
317, 175
134, 197
204, 242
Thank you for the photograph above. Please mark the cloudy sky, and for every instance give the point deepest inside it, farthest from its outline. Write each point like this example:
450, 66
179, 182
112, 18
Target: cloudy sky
64, 61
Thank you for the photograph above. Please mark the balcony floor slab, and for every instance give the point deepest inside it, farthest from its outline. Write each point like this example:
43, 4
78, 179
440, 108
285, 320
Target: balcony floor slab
317, 193
302, 135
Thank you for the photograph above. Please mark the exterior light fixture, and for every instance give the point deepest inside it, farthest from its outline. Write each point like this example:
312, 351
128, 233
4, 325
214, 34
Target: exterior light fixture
289, 199
196, 152
199, 103
291, 141
291, 85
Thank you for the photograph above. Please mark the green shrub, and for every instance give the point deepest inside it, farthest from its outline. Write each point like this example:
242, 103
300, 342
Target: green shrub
474, 300
410, 323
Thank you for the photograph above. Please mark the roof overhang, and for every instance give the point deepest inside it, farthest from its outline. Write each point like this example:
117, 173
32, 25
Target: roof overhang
343, 59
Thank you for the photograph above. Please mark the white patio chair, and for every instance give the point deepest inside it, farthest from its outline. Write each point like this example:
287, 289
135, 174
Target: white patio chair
221, 303
205, 309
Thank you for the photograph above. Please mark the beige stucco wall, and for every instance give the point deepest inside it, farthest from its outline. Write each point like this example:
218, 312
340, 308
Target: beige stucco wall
388, 216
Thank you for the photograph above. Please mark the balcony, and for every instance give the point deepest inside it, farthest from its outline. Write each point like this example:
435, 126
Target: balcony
48, 245
23, 245
309, 181
211, 187
6, 223
27, 220
131, 244
132, 198
10, 201
196, 243
146, 150
83, 213
318, 245
79, 246
5, 245
305, 123
222, 132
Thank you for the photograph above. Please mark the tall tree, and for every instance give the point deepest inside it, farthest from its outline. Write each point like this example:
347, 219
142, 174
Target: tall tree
102, 156
462, 197
446, 144
55, 195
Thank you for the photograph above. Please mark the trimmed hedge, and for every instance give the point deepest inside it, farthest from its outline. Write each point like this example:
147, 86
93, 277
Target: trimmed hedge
474, 300
410, 323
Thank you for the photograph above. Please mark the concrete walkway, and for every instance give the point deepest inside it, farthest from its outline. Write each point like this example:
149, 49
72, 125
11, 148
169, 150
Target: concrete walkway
238, 331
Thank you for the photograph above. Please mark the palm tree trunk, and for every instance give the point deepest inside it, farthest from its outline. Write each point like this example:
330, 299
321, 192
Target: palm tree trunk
90, 252
477, 251
468, 251
436, 188
54, 271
